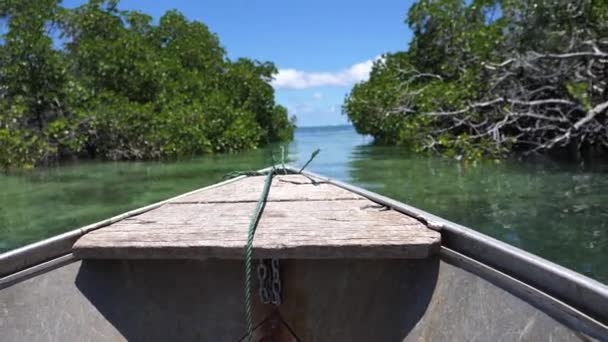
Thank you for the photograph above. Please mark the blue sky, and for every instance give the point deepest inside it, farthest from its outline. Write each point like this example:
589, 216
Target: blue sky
320, 47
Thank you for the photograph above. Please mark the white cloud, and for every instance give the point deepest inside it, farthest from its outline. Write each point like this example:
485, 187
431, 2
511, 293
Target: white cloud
317, 96
301, 108
298, 79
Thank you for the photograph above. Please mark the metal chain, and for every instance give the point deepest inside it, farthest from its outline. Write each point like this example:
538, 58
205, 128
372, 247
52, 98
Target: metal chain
275, 284
263, 279
269, 282
272, 290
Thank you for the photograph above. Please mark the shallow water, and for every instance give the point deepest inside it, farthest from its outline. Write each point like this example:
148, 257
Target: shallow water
556, 210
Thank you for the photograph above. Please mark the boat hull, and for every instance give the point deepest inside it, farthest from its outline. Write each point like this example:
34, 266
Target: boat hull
437, 299
474, 288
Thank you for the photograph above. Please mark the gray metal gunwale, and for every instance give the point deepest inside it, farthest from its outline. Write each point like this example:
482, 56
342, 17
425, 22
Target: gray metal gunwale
559, 310
36, 270
577, 290
42, 251
565, 313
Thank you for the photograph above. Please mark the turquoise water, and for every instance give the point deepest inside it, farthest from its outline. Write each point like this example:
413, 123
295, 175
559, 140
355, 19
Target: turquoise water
556, 210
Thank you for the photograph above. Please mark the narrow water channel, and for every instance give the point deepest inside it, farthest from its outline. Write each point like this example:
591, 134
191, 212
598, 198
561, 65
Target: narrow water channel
556, 210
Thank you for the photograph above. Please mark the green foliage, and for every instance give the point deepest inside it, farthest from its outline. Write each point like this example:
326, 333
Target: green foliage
425, 77
422, 98
579, 91
122, 87
19, 146
370, 105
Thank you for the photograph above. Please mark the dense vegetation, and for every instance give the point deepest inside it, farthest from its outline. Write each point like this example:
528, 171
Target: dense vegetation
489, 78
96, 81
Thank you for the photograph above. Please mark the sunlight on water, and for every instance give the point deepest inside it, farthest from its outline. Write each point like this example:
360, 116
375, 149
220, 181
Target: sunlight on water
555, 210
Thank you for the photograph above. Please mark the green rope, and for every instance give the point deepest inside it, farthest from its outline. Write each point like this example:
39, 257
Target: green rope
312, 156
261, 204
249, 250
235, 174
283, 160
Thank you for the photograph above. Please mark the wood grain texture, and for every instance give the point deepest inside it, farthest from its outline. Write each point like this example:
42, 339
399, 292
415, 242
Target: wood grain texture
302, 220
284, 188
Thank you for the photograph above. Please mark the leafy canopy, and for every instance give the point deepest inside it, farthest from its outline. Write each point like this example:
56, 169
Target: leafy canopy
97, 81
488, 78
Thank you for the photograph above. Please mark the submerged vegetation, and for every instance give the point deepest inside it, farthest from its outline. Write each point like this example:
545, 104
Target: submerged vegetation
99, 82
490, 78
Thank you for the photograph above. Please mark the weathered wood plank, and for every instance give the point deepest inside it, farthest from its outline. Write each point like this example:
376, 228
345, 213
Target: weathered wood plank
284, 188
356, 228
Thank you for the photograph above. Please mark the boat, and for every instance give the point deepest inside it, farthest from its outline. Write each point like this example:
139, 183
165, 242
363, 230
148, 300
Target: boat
283, 254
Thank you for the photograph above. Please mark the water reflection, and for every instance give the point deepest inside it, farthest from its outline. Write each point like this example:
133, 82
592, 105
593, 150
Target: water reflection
555, 210
41, 203
336, 143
